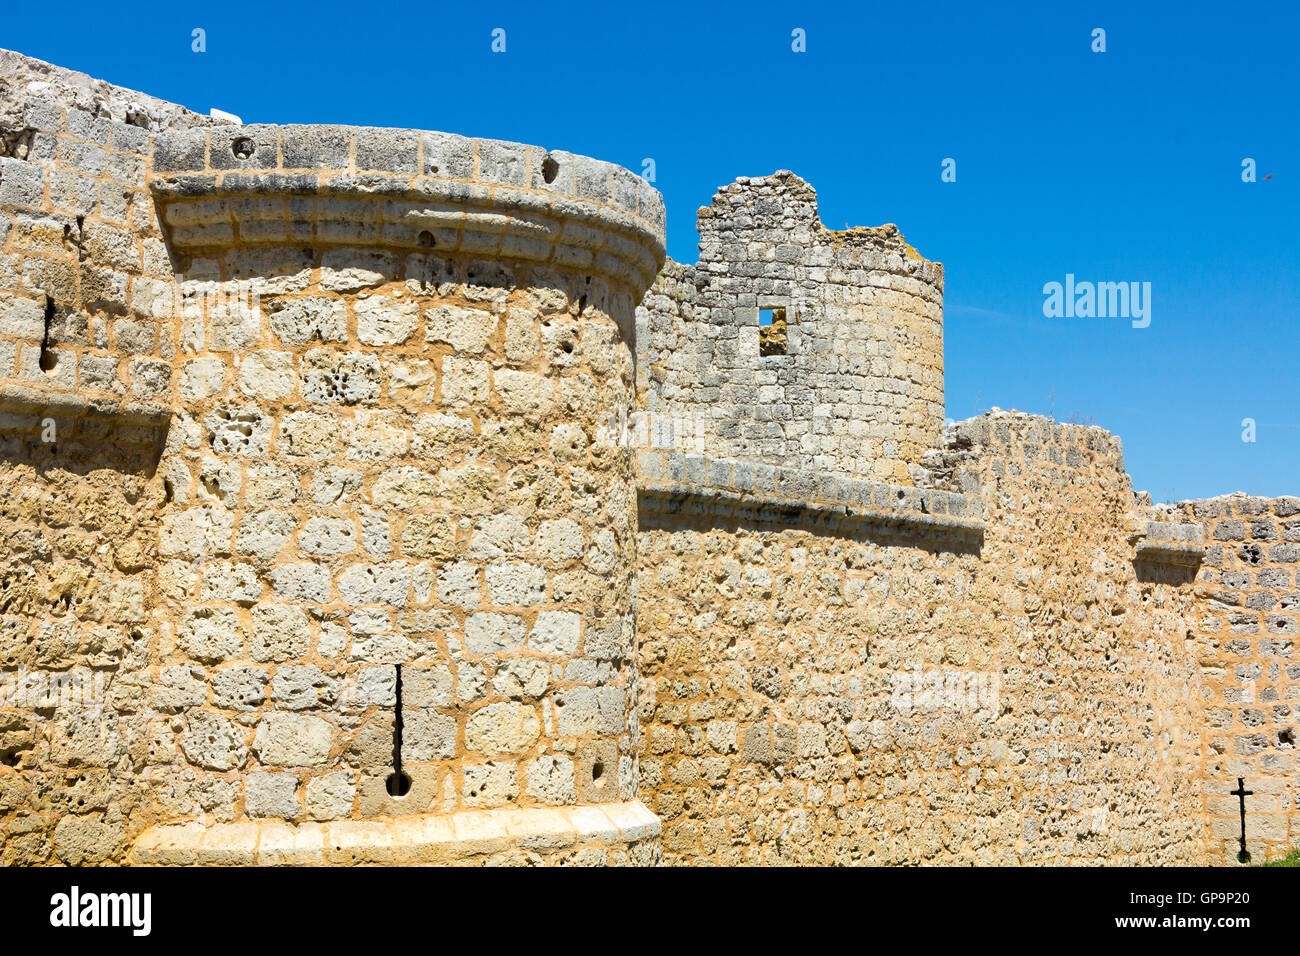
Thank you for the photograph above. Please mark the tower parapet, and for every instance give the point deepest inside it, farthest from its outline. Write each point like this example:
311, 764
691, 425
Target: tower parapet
794, 345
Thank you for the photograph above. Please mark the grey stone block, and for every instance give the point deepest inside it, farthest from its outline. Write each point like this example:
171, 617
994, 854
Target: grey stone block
447, 155
394, 151
315, 147
182, 151
21, 183
243, 147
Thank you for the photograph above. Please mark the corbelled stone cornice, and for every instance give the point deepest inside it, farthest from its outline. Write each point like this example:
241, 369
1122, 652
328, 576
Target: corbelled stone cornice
406, 190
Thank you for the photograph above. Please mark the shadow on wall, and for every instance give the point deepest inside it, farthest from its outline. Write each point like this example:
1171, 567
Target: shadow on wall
76, 515
1156, 572
677, 514
80, 444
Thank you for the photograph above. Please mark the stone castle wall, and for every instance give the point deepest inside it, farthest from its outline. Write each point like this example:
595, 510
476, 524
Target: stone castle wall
84, 371
861, 688
359, 504
1247, 618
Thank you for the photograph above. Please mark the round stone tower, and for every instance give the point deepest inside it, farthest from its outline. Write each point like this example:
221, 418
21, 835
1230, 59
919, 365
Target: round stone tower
796, 345
395, 558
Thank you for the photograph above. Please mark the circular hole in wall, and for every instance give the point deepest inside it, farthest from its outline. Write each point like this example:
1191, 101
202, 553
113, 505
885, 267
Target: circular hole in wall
398, 784
242, 148
598, 774
48, 361
550, 169
425, 239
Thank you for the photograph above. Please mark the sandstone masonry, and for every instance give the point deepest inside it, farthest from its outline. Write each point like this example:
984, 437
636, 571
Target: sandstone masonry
384, 496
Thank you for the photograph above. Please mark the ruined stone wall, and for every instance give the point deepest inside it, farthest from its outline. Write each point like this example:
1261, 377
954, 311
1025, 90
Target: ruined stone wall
827, 686
77, 527
857, 385
1247, 618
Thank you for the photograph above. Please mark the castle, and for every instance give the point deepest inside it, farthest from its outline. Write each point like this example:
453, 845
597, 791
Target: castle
374, 495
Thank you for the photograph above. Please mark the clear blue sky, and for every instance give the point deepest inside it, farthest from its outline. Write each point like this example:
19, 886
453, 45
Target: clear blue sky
1122, 166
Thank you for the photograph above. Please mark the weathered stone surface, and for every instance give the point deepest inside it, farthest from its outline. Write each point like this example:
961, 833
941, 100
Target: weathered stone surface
502, 728
292, 740
331, 402
271, 795
214, 742
330, 796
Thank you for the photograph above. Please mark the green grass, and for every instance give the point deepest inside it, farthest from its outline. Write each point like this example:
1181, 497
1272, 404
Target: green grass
1291, 859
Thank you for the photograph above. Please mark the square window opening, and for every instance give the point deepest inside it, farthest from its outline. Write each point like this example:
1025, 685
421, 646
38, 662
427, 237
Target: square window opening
772, 334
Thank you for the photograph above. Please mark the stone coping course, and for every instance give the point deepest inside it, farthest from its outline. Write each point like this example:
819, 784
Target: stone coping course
1167, 542
684, 476
49, 399
409, 189
419, 838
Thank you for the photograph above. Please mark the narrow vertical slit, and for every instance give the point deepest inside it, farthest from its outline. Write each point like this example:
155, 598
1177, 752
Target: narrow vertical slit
48, 359
397, 725
398, 784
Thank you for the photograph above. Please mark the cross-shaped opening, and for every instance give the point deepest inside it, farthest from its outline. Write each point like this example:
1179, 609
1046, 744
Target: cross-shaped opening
1241, 793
